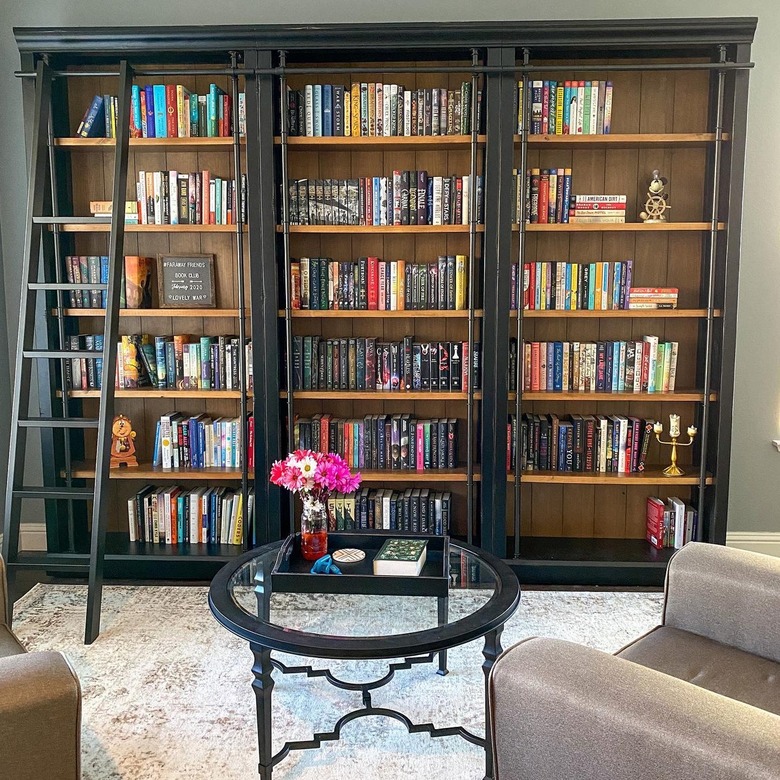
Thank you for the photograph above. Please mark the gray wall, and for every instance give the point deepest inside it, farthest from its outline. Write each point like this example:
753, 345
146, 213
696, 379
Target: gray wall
755, 492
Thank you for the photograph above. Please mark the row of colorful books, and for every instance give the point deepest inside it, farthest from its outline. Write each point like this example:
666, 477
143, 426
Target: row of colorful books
179, 515
200, 442
671, 523
373, 284
183, 362
563, 286
377, 109
548, 195
404, 198
135, 291
199, 198
648, 365
568, 107
597, 209
166, 111
579, 443
414, 510
382, 441
370, 364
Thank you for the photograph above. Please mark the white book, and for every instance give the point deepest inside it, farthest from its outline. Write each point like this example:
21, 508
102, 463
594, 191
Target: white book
580, 108
621, 388
690, 522
407, 112
166, 440
652, 346
393, 286
166, 519
173, 197
667, 365
386, 98
158, 201
194, 514
603, 422
131, 518
308, 103
639, 348
673, 366
678, 510
466, 196
622, 460
437, 200
141, 189
386, 496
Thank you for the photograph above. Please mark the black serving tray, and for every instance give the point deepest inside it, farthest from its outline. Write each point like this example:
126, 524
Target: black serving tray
292, 573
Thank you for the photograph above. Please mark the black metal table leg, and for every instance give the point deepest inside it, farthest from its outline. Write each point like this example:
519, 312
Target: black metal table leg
443, 603
263, 685
491, 651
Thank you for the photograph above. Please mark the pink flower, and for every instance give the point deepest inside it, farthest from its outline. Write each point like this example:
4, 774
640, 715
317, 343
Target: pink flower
277, 472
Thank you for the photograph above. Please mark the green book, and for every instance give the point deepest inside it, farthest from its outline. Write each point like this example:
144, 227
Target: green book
401, 557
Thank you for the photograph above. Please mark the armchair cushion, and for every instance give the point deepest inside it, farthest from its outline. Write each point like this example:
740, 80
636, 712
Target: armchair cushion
711, 665
9, 644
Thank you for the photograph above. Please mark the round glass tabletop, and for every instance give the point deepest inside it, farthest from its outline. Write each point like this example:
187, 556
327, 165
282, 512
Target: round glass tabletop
483, 594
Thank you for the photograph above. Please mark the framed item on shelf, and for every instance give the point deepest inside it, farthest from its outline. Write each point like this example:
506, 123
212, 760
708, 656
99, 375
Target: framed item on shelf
186, 281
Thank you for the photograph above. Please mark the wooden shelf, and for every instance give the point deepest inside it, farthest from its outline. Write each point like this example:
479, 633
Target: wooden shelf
613, 227
357, 143
154, 393
652, 476
380, 228
659, 398
147, 144
86, 470
379, 395
576, 552
119, 547
617, 314
149, 313
622, 140
349, 314
76, 227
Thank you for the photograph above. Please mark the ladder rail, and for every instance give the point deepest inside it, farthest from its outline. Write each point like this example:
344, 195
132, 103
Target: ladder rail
22, 370
110, 335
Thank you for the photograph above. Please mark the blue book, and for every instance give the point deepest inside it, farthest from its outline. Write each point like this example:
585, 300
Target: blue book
213, 102
93, 123
327, 109
98, 345
566, 109
157, 455
566, 195
180, 504
104, 279
135, 108
317, 109
194, 114
616, 297
618, 374
550, 363
160, 114
567, 298
557, 366
149, 118
592, 287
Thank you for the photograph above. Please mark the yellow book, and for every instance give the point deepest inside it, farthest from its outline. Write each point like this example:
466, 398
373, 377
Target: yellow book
599, 283
183, 116
355, 117
575, 269
238, 529
401, 284
559, 109
460, 282
347, 113
519, 106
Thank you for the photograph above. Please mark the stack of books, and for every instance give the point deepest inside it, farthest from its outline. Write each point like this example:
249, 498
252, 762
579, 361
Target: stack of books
547, 195
671, 523
567, 107
653, 298
415, 510
597, 208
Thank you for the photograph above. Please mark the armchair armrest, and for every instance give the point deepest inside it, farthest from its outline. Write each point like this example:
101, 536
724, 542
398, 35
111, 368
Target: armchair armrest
561, 710
3, 594
40, 718
727, 595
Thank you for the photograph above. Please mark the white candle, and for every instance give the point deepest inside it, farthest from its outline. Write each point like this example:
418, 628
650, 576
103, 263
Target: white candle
674, 425
658, 427
691, 431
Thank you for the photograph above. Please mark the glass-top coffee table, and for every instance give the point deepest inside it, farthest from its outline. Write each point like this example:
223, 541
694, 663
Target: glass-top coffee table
379, 624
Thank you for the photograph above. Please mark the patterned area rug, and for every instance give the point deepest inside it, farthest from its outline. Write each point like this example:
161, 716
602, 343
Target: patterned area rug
167, 689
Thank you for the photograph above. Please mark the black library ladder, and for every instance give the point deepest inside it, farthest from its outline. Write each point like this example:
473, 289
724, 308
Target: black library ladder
33, 345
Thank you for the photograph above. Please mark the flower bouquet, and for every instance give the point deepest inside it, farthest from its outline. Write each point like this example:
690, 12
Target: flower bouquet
314, 475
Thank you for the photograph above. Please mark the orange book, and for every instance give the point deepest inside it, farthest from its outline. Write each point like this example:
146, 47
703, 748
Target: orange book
401, 296
138, 282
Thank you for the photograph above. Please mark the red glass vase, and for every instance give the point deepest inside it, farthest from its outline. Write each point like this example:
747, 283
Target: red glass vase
314, 530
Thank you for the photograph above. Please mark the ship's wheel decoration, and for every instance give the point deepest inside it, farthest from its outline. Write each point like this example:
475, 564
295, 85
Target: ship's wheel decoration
656, 204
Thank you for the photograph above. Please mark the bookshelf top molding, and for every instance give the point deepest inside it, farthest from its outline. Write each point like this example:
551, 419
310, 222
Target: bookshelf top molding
383, 40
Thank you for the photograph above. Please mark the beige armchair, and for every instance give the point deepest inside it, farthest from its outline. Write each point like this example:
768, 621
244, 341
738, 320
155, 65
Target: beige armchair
697, 698
40, 710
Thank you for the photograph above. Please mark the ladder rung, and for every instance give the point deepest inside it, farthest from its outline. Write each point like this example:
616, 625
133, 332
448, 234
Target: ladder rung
66, 286
55, 561
40, 491
61, 354
72, 220
59, 422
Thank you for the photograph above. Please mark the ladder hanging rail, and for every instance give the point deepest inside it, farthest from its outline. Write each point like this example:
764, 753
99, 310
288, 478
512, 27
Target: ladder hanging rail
110, 334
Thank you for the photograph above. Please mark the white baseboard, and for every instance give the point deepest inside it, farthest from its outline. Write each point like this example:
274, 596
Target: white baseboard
767, 542
32, 536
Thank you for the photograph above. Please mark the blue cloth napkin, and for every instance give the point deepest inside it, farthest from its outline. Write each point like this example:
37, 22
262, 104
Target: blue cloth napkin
325, 565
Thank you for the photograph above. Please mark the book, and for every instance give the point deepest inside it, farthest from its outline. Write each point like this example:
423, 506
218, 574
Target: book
401, 558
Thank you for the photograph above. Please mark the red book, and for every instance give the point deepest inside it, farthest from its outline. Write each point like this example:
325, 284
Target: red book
509, 447
373, 283
142, 98
465, 363
655, 522
544, 197
171, 110
534, 366
250, 455
629, 445
532, 287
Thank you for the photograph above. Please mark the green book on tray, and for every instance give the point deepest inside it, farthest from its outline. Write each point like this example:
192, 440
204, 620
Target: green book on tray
401, 557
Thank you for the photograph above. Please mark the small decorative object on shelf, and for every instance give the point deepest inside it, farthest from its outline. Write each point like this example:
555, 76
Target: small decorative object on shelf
314, 475
348, 555
122, 443
656, 204
673, 470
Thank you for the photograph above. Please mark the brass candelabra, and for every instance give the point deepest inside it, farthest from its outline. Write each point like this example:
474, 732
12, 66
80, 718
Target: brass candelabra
673, 470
